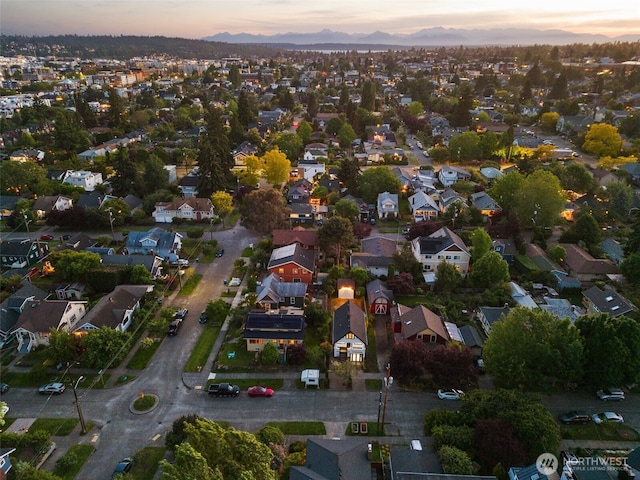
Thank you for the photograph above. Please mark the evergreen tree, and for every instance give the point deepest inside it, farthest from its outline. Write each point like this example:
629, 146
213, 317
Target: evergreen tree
234, 75
116, 113
245, 110
559, 89
214, 156
368, 101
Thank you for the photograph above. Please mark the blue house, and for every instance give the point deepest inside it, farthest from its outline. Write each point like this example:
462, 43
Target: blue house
156, 241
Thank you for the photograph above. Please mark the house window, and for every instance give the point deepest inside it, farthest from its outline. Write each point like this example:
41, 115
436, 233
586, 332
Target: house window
427, 267
428, 256
350, 336
432, 338
281, 270
255, 341
296, 280
456, 257
448, 257
295, 271
292, 300
439, 257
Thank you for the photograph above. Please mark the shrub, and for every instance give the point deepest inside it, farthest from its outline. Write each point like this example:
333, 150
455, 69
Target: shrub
195, 232
455, 461
455, 436
298, 446
270, 354
270, 434
67, 461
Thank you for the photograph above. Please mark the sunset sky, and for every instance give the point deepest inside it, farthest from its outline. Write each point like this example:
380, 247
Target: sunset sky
201, 18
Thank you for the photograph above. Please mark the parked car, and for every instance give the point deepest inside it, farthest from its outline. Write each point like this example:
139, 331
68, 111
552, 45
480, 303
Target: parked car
123, 467
220, 252
575, 417
258, 391
4, 387
224, 390
235, 281
607, 394
607, 417
66, 236
203, 317
174, 327
181, 313
453, 394
55, 388
46, 236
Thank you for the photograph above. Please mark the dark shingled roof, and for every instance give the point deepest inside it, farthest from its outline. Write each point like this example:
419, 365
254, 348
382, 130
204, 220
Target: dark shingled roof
349, 318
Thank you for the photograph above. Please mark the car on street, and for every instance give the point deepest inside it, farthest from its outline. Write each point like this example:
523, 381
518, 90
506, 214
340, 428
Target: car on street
259, 391
4, 387
123, 467
607, 394
575, 417
223, 390
203, 317
46, 236
235, 281
220, 252
181, 313
453, 394
55, 388
174, 327
607, 417
66, 236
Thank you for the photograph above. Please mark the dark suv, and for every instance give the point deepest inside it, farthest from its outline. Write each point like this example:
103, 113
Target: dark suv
223, 390
174, 327
575, 417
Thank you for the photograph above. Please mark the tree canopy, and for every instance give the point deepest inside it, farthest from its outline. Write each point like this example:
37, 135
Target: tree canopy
377, 180
264, 210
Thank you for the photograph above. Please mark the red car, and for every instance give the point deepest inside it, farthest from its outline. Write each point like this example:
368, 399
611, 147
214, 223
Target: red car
46, 236
258, 391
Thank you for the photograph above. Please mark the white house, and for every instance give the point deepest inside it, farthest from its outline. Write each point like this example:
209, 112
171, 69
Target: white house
190, 208
448, 175
43, 205
387, 205
40, 316
441, 246
423, 206
349, 335
85, 179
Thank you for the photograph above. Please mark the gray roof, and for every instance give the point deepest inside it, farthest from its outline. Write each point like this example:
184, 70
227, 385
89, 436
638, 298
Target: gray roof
379, 246
471, 336
440, 240
483, 201
164, 239
292, 254
607, 301
349, 318
274, 326
334, 459
10, 308
274, 289
111, 308
493, 314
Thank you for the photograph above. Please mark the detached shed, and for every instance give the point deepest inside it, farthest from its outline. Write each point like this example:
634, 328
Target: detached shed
310, 377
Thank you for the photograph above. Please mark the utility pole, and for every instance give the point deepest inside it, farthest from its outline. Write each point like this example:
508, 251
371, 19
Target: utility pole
75, 395
388, 381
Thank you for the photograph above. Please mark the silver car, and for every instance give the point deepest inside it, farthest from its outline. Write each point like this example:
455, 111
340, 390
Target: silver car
607, 394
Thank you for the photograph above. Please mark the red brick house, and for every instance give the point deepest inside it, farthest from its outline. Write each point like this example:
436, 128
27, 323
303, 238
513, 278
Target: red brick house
292, 263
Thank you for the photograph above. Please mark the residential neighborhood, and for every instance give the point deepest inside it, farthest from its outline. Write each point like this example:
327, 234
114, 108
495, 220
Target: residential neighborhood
449, 238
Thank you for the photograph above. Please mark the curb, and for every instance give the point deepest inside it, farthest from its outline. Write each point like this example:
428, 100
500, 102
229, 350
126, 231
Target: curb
138, 412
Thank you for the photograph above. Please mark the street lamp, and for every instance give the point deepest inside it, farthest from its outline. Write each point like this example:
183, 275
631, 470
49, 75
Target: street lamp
111, 219
75, 395
26, 224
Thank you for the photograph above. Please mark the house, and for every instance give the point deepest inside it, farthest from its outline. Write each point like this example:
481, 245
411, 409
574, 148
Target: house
376, 253
22, 253
420, 324
423, 207
155, 241
242, 151
314, 151
487, 316
40, 316
606, 301
603, 177
584, 267
14, 305
506, 248
274, 294
307, 239
72, 291
613, 250
441, 246
188, 186
282, 329
483, 202
450, 197
346, 288
44, 205
633, 169
292, 263
521, 296
134, 203
564, 281
561, 308
189, 208
5, 460
115, 310
362, 205
448, 175
388, 206
532, 472
332, 459
349, 332
379, 298
540, 259
301, 213
85, 179
572, 124
491, 173
28, 155
299, 192
472, 339
8, 205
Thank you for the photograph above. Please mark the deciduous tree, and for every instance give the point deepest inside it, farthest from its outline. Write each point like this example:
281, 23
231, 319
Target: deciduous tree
377, 180
222, 203
264, 210
334, 235
276, 166
104, 347
602, 140
490, 270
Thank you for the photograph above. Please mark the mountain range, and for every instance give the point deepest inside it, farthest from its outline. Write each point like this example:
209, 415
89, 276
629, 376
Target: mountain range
428, 37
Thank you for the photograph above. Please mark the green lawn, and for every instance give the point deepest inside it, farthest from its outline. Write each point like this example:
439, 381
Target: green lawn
244, 383
300, 428
353, 431
59, 427
19, 379
373, 384
202, 349
371, 358
142, 356
241, 358
190, 285
592, 431
82, 452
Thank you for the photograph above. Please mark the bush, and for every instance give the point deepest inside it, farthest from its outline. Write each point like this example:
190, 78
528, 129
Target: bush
439, 417
298, 446
270, 354
67, 461
455, 436
270, 434
455, 461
